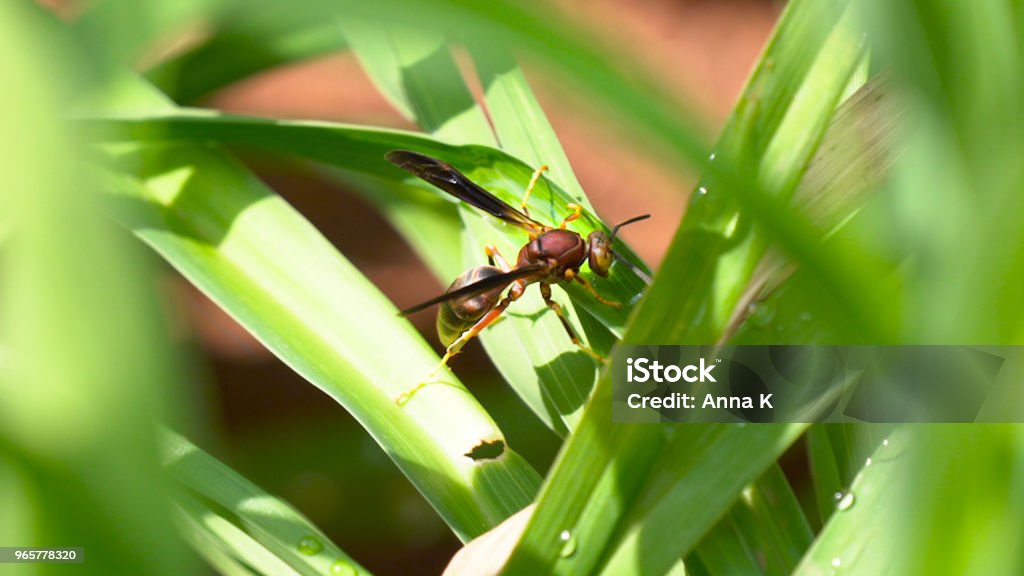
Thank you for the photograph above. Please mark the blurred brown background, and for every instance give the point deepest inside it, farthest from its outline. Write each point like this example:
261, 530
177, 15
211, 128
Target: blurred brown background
294, 441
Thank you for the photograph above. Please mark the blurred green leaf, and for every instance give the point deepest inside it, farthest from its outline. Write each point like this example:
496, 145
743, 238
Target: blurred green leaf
242, 43
862, 536
234, 516
207, 215
716, 250
362, 149
86, 370
612, 466
765, 532
530, 348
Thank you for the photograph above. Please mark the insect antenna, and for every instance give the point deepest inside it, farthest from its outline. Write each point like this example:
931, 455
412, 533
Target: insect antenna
636, 269
615, 229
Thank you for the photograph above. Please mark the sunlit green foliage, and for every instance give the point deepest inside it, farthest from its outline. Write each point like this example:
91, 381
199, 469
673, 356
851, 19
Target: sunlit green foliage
866, 188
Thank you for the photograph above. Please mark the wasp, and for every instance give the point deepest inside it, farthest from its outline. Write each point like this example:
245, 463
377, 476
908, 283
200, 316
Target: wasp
551, 256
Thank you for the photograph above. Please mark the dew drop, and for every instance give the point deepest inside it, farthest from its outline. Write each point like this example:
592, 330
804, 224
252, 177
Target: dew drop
712, 157
838, 495
568, 544
836, 562
310, 546
342, 568
761, 315
702, 190
846, 503
885, 442
867, 462
748, 494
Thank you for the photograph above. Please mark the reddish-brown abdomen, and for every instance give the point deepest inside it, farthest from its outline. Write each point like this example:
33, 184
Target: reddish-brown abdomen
458, 315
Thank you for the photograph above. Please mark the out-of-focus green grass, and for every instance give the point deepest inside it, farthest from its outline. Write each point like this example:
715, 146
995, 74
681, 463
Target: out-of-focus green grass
86, 373
935, 255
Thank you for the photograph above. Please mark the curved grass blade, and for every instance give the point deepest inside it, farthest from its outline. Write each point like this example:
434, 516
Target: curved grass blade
208, 217
530, 348
244, 522
414, 69
863, 535
419, 75
84, 363
719, 224
244, 43
587, 464
765, 532
362, 149
520, 123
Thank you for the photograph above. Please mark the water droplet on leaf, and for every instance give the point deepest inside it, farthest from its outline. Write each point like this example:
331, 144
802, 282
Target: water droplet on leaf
568, 544
342, 568
310, 546
761, 315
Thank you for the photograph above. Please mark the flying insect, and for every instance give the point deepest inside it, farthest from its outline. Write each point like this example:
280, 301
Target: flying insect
551, 256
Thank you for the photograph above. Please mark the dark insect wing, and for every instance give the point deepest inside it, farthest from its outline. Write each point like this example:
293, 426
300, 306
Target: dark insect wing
489, 283
457, 184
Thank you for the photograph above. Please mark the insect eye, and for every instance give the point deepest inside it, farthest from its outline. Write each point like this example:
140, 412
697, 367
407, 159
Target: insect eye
600, 258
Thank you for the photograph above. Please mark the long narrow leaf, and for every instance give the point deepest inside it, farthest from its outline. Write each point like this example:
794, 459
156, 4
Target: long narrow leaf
253, 518
686, 284
530, 347
206, 216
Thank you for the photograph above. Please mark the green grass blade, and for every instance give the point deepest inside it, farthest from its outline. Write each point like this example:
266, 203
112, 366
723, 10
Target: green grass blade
519, 122
84, 369
256, 525
429, 223
765, 532
715, 253
206, 215
968, 493
862, 536
415, 70
224, 545
689, 268
523, 129
361, 149
698, 472
530, 347
114, 35
824, 471
856, 155
243, 44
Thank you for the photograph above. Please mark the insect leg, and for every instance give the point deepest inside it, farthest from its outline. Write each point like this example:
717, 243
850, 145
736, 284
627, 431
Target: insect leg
570, 275
455, 347
545, 292
529, 188
493, 255
577, 211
